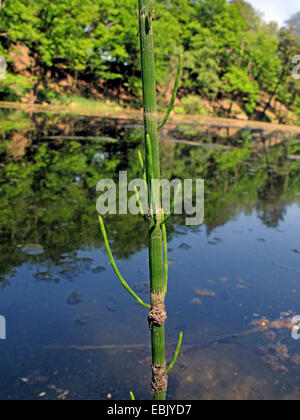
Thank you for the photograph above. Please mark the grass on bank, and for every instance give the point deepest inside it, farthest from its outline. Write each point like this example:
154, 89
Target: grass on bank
73, 101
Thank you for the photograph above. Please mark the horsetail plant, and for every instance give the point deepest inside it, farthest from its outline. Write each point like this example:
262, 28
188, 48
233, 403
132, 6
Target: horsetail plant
154, 214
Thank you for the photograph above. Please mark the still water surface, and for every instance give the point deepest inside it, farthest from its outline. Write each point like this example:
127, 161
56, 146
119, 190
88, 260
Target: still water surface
74, 333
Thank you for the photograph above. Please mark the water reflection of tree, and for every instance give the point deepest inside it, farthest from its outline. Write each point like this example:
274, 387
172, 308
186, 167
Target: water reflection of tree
272, 196
48, 195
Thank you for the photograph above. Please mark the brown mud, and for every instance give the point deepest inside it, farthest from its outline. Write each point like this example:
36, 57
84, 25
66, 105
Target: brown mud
209, 122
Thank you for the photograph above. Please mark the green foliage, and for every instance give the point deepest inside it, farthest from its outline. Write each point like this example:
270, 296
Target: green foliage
16, 121
96, 44
193, 105
14, 86
239, 85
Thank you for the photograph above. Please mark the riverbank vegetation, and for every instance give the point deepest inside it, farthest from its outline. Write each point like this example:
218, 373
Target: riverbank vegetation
235, 65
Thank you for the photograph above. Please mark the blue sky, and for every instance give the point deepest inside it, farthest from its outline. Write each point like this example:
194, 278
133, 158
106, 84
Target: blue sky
278, 10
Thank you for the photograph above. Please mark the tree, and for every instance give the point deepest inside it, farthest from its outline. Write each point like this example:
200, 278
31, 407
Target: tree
238, 84
288, 48
55, 32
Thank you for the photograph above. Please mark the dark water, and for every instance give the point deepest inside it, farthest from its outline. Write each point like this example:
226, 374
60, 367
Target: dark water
74, 333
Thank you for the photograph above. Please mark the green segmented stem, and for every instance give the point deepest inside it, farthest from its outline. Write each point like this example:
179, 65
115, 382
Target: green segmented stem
111, 258
153, 172
156, 219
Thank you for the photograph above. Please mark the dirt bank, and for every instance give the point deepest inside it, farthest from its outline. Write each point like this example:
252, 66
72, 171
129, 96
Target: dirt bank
122, 113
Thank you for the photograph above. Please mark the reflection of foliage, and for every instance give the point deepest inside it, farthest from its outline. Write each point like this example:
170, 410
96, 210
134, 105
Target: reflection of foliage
16, 121
237, 180
48, 196
272, 195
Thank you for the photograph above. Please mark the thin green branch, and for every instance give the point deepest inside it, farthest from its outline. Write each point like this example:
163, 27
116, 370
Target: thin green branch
176, 353
175, 90
142, 165
137, 194
145, 217
173, 203
150, 177
149, 159
166, 265
111, 258
132, 396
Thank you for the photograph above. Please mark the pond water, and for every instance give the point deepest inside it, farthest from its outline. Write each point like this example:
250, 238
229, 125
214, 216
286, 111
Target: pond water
234, 282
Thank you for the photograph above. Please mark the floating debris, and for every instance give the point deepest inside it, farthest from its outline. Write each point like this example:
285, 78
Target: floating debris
74, 299
278, 324
195, 301
35, 379
42, 394
205, 293
281, 351
63, 395
273, 355
272, 363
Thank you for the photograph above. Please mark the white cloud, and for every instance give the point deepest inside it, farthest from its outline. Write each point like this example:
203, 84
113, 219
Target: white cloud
277, 10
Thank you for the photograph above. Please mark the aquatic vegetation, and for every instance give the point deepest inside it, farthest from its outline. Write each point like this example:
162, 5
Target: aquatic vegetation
35, 379
204, 293
154, 215
195, 301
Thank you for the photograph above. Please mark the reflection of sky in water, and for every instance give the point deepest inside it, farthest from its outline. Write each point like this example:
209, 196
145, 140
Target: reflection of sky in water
255, 280
77, 301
